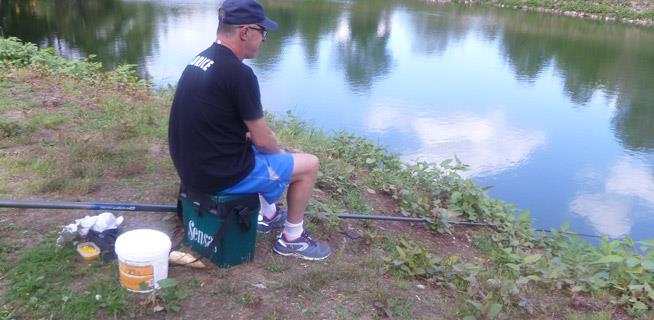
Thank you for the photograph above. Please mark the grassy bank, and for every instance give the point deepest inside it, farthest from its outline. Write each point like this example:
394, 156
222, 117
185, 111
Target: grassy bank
639, 12
69, 131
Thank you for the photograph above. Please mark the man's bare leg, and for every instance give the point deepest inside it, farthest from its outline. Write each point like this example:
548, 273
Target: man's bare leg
294, 241
305, 171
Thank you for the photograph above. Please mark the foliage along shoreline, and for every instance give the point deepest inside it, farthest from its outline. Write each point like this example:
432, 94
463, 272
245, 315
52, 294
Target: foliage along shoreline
515, 259
630, 12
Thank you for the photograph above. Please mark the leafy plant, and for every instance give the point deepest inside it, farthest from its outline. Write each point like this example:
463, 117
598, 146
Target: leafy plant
488, 310
167, 297
413, 259
15, 53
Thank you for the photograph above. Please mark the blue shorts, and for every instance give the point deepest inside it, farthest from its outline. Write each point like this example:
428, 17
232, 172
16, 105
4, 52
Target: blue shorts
269, 177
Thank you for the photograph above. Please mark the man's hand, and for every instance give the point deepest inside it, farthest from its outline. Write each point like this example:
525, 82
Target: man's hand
262, 136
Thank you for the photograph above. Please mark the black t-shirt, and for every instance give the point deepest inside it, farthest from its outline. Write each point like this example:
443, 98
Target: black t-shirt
206, 133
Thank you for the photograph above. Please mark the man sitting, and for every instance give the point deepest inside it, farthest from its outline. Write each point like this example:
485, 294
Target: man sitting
216, 107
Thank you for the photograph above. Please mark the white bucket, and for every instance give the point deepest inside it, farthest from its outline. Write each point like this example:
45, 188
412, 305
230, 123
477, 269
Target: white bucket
142, 259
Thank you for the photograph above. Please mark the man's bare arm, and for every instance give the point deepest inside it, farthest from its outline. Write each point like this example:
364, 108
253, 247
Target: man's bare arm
262, 136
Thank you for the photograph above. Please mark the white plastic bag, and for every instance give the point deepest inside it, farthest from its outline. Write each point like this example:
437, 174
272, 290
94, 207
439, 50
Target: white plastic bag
106, 221
81, 227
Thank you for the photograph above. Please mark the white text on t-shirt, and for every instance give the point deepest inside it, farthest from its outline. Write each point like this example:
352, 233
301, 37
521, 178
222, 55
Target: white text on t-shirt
202, 62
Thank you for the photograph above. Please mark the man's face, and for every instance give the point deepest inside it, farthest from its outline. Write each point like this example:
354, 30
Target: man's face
254, 36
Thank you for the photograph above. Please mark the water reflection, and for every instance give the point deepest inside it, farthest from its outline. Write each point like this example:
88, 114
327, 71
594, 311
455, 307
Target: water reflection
488, 143
629, 184
608, 215
307, 23
117, 32
614, 59
634, 121
433, 31
362, 51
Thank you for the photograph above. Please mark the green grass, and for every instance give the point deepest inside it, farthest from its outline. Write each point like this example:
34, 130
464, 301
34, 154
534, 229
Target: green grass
51, 175
597, 316
17, 99
52, 282
111, 139
6, 103
77, 164
276, 264
45, 120
10, 128
610, 8
249, 300
400, 309
314, 279
41, 285
6, 249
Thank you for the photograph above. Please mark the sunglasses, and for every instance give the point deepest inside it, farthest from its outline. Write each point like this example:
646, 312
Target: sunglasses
264, 32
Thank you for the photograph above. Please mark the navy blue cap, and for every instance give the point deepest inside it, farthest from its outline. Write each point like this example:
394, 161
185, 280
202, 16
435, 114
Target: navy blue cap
241, 12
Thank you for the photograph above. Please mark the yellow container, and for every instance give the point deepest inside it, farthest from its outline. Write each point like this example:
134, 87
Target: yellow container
88, 250
136, 278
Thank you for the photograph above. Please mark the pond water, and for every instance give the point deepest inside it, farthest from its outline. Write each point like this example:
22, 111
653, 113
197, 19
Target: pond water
555, 113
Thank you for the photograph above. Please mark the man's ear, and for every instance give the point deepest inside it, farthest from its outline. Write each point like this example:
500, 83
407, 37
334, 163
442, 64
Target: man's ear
243, 33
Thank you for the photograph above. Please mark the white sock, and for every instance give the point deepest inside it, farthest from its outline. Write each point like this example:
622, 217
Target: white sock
293, 231
267, 210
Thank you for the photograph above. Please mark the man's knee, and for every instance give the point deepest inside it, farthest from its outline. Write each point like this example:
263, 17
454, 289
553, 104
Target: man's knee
305, 163
314, 163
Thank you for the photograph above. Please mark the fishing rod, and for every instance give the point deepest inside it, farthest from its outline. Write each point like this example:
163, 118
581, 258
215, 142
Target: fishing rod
137, 207
86, 206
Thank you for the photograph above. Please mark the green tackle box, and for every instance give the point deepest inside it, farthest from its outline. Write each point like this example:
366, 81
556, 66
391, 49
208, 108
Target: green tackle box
231, 219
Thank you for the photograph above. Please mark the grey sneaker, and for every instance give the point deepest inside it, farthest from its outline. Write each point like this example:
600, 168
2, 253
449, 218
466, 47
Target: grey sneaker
264, 225
303, 247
